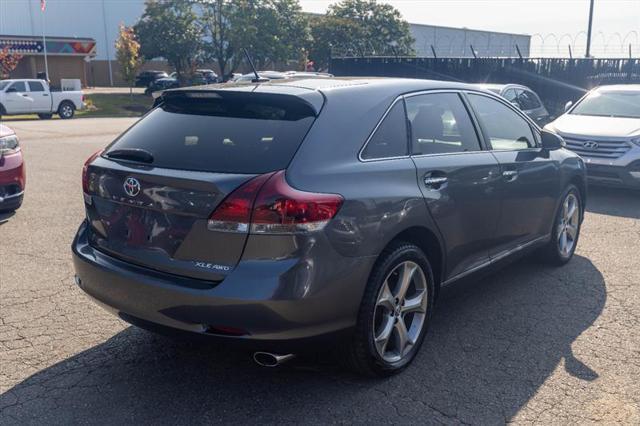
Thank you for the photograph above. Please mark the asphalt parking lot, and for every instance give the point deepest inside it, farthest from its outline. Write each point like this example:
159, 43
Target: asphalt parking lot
529, 344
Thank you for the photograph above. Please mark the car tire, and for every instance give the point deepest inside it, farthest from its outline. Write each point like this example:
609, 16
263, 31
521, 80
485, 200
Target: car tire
367, 352
45, 116
66, 110
564, 241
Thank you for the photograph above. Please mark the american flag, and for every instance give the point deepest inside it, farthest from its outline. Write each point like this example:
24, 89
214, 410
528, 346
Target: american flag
43, 5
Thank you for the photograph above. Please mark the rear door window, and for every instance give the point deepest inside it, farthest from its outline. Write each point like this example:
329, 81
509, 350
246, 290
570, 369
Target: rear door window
440, 124
230, 132
36, 86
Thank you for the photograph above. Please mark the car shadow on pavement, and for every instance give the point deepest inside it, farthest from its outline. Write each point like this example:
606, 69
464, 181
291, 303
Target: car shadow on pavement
614, 202
491, 346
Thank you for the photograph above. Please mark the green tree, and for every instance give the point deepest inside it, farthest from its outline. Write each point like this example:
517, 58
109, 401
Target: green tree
128, 55
171, 30
359, 28
271, 30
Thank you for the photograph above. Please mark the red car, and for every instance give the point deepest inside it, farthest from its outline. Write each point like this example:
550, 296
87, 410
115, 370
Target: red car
12, 171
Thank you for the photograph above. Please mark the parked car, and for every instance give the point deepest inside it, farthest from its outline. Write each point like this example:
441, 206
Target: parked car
277, 75
144, 78
604, 128
524, 98
209, 76
307, 74
12, 171
266, 75
162, 84
290, 215
30, 96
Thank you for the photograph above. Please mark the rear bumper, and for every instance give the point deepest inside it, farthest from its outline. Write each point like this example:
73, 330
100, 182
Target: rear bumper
259, 298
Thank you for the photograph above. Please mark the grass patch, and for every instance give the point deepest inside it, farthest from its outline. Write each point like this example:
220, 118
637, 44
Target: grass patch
115, 105
104, 105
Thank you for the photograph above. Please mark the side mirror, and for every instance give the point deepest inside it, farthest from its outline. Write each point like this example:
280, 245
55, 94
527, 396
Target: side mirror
568, 106
552, 141
12, 90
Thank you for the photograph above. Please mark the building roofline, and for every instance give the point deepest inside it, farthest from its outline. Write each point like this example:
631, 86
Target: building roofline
470, 29
39, 37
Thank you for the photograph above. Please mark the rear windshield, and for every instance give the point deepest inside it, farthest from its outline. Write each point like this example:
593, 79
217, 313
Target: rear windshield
221, 132
624, 104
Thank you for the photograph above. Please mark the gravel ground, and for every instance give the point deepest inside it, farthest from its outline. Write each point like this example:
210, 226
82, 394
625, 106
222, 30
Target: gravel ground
531, 344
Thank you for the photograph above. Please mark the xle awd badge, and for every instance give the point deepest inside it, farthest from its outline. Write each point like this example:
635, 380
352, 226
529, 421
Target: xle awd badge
131, 186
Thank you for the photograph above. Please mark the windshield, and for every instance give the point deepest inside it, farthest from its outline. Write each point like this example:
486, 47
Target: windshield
4, 83
624, 104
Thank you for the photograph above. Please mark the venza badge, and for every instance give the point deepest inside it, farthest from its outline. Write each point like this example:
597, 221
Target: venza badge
131, 186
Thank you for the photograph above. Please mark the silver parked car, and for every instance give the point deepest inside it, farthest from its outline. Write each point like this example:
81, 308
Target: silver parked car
524, 98
604, 129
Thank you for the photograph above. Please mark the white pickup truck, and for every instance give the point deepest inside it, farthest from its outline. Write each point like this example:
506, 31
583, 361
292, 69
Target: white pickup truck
31, 96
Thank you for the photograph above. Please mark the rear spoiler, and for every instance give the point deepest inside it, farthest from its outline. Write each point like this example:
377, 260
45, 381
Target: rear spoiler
285, 95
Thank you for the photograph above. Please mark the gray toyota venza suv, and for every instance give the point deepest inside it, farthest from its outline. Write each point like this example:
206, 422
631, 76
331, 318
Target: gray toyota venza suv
328, 211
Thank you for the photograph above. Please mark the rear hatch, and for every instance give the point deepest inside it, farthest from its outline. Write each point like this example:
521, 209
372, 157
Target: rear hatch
150, 194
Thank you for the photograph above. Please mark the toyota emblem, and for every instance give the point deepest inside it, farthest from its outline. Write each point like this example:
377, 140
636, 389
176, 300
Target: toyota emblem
131, 186
591, 145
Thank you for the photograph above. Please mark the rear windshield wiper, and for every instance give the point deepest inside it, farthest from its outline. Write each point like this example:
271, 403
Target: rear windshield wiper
131, 154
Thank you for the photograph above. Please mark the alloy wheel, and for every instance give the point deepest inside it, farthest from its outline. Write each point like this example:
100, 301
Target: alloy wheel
67, 111
400, 311
569, 225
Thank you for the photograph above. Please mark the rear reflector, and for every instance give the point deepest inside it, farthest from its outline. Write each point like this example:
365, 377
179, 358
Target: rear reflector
268, 205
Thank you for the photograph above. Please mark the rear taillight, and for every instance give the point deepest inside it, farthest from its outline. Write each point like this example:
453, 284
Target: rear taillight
234, 213
85, 171
268, 205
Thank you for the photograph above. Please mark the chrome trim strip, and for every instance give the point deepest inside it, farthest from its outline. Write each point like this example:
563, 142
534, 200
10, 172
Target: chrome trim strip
495, 259
8, 197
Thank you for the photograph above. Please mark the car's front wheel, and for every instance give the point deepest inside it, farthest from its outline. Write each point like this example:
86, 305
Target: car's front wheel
395, 312
566, 228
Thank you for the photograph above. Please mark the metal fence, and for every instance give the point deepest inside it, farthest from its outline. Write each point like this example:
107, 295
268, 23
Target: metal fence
555, 80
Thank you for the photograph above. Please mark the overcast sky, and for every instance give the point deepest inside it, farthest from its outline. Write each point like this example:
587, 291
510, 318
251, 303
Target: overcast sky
613, 19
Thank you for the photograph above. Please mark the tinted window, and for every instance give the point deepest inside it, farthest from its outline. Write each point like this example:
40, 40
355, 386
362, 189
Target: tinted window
440, 124
390, 139
506, 129
610, 104
229, 133
36, 86
19, 86
527, 100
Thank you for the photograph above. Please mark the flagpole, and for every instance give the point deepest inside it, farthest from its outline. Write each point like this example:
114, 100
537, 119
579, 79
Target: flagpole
44, 45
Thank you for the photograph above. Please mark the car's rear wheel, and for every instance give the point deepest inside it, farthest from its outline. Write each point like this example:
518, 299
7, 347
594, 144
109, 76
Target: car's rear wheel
395, 312
66, 110
566, 228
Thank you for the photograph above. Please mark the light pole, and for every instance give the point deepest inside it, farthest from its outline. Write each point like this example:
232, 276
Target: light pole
588, 55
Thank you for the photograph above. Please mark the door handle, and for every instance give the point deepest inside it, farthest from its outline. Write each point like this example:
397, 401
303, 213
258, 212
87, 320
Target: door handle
25, 95
510, 175
435, 182
45, 94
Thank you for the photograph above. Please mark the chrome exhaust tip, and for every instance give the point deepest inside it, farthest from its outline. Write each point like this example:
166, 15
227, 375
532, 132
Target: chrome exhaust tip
267, 359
